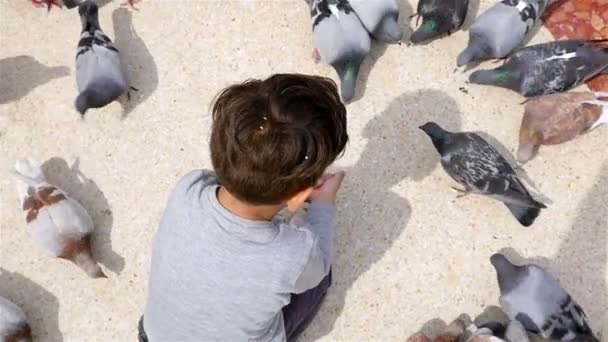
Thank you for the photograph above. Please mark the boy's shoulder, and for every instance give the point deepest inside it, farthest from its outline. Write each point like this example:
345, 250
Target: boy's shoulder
197, 179
192, 184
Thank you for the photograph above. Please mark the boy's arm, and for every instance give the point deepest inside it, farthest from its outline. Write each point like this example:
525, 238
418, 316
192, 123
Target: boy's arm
321, 216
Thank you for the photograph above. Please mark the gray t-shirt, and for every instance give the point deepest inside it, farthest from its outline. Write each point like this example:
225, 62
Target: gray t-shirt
218, 277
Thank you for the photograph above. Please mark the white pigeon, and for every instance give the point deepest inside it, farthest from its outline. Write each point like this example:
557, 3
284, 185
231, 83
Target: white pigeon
13, 323
100, 74
532, 296
380, 18
58, 224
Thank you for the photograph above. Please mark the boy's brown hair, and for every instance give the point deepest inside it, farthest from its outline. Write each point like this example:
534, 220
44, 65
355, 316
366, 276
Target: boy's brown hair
272, 138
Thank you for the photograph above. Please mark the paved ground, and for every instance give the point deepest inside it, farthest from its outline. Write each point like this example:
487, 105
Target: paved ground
407, 250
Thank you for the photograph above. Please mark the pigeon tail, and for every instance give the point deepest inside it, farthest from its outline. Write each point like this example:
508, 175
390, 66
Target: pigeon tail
29, 176
348, 72
525, 215
388, 30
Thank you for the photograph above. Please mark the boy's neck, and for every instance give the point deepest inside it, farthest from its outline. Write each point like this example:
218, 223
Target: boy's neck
245, 210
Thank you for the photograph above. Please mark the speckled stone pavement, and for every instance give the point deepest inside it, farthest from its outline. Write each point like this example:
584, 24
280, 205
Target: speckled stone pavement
407, 251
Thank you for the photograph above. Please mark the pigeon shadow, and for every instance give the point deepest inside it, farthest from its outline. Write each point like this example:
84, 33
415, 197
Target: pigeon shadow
379, 48
471, 14
371, 216
39, 305
142, 71
88, 194
582, 259
21, 74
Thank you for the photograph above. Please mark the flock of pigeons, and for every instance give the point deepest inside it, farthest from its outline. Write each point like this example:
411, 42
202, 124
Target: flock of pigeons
530, 296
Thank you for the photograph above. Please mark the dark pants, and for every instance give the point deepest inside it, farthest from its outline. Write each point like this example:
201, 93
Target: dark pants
297, 315
303, 307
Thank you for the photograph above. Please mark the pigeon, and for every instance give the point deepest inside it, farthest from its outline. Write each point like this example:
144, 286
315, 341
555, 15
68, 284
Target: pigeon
380, 18
501, 29
69, 4
532, 296
557, 118
49, 3
439, 17
516, 332
480, 168
13, 323
341, 40
548, 68
99, 72
58, 224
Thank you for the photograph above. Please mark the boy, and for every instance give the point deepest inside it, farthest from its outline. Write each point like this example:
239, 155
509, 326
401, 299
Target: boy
221, 269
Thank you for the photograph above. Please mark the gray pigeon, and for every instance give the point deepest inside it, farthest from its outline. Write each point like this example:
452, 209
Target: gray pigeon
380, 18
480, 168
516, 332
99, 72
501, 29
439, 17
13, 323
69, 4
548, 68
341, 40
532, 296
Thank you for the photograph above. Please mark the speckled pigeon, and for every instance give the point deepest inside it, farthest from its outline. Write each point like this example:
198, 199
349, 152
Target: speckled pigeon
548, 68
532, 296
480, 168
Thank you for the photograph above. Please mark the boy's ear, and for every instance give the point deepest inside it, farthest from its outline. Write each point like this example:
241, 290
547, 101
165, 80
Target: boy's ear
297, 201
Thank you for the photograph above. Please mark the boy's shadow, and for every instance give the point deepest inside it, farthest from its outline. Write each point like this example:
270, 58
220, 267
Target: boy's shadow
39, 305
379, 48
87, 193
138, 61
581, 264
371, 216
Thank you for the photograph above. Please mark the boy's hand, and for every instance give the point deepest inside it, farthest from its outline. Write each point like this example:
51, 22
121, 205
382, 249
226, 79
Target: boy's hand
328, 187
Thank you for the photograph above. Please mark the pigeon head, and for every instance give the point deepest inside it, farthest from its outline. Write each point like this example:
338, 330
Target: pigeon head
436, 133
348, 71
477, 50
499, 77
432, 27
508, 274
88, 11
